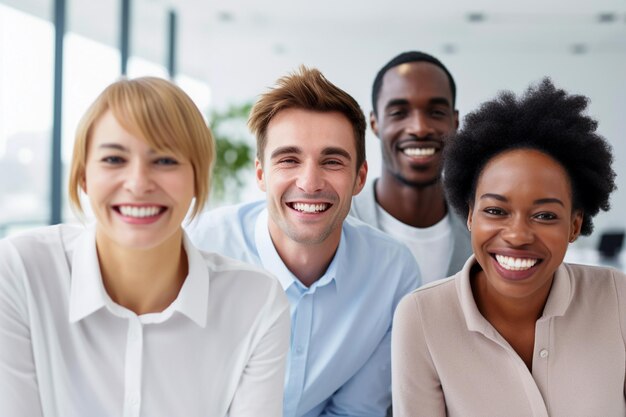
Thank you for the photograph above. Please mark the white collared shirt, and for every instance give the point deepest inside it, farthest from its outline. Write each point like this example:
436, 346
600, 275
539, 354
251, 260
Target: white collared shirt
66, 349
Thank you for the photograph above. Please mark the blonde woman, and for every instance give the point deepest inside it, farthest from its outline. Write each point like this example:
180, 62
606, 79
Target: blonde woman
125, 317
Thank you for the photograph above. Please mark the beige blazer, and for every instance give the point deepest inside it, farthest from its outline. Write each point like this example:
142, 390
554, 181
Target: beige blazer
447, 359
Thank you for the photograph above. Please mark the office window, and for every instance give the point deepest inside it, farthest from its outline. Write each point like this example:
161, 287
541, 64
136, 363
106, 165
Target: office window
26, 90
91, 62
148, 35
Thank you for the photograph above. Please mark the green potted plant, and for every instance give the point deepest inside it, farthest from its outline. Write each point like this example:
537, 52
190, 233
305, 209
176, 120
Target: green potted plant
234, 162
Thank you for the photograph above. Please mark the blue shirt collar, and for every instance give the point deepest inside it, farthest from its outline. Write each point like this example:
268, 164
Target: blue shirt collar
271, 261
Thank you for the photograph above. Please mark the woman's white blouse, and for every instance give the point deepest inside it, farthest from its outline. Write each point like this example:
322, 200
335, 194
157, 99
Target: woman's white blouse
66, 349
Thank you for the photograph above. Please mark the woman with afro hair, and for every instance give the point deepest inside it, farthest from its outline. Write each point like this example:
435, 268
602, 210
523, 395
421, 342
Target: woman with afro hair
517, 332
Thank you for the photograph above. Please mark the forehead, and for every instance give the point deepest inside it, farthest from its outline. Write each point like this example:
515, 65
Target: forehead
108, 129
311, 131
412, 78
524, 172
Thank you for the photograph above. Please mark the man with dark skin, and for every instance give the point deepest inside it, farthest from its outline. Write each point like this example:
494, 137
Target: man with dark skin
413, 101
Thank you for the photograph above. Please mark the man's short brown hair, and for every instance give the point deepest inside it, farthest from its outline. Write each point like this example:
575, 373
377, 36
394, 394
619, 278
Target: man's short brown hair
306, 89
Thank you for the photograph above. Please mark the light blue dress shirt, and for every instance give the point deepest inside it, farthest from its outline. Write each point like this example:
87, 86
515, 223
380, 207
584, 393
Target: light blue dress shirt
340, 357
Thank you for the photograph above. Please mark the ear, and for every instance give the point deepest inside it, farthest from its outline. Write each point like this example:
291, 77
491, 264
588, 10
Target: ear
260, 175
374, 123
456, 119
361, 176
577, 224
83, 184
469, 218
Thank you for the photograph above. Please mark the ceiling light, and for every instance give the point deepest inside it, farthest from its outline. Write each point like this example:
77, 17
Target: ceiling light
579, 49
449, 48
607, 17
476, 17
225, 16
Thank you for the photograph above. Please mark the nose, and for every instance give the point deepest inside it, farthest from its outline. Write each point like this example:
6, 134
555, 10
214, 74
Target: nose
310, 179
517, 232
419, 125
139, 178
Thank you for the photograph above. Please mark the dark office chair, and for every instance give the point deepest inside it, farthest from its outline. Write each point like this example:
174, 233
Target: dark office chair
611, 244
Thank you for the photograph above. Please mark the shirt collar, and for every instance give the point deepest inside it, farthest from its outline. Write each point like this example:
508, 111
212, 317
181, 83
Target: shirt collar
556, 305
271, 261
560, 294
87, 292
193, 298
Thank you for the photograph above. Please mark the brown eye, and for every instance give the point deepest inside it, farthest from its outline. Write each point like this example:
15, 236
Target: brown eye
494, 211
546, 216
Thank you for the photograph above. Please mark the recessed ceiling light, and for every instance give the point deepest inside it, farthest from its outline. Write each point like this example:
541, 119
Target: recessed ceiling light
225, 16
607, 17
579, 49
476, 17
449, 48
279, 49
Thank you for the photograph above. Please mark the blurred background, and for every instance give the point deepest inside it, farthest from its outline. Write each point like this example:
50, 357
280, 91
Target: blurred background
57, 55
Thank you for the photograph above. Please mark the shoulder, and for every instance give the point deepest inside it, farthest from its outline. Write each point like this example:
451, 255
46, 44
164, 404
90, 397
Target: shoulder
231, 216
247, 281
588, 278
225, 229
379, 254
364, 204
363, 236
434, 298
594, 275
433, 312
36, 244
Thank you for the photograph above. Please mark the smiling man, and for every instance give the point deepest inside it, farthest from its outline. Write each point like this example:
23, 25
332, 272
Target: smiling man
342, 277
413, 102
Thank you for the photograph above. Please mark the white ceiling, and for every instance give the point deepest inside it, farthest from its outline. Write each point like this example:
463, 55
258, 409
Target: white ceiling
282, 27
286, 30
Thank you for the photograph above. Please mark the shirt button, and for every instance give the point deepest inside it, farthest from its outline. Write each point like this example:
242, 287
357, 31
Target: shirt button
543, 353
299, 350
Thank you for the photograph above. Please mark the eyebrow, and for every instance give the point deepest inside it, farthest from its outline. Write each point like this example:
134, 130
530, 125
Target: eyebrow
283, 150
404, 102
536, 202
118, 147
115, 146
336, 151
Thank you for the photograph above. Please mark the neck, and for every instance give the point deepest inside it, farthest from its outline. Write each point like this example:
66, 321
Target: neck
143, 280
308, 262
507, 311
415, 206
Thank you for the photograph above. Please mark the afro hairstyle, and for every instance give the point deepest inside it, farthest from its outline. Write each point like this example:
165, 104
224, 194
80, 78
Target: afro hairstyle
544, 118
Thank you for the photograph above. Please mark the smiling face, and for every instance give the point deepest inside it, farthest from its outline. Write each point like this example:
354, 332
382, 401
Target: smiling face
521, 223
415, 114
309, 174
139, 196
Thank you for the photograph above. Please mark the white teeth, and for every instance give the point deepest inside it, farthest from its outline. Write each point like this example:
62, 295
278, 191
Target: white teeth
419, 151
516, 264
139, 212
310, 208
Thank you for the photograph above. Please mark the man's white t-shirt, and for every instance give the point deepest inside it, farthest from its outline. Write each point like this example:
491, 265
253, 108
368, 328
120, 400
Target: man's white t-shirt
431, 246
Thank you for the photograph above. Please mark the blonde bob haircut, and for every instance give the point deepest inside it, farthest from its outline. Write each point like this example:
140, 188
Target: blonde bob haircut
158, 112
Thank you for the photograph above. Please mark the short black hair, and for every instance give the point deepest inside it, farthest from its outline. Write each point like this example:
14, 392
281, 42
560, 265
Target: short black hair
546, 119
403, 58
